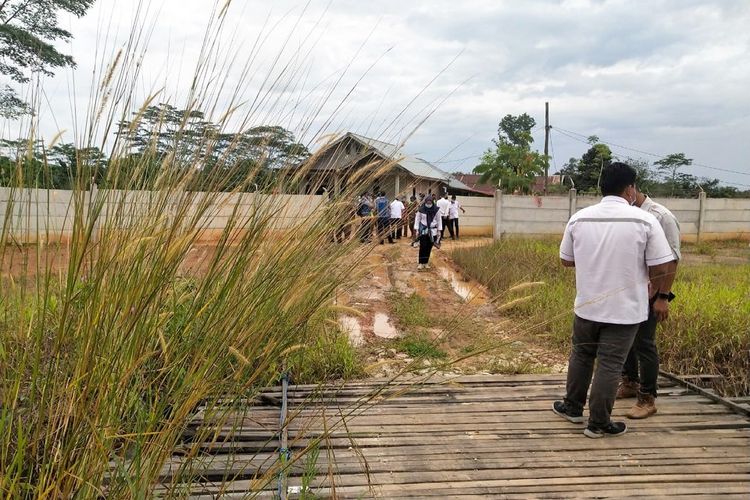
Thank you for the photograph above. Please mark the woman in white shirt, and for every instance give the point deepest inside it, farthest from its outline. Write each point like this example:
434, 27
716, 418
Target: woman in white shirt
427, 225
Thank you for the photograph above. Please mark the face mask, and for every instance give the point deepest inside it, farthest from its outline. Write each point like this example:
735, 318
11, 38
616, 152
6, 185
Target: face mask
428, 205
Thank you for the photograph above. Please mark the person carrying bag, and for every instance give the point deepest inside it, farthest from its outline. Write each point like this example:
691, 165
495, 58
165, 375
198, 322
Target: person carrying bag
427, 225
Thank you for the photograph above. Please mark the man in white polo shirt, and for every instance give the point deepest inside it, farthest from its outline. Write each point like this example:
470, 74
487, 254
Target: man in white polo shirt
616, 249
641, 370
443, 205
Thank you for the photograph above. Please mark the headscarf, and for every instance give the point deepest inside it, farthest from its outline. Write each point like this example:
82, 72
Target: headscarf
431, 211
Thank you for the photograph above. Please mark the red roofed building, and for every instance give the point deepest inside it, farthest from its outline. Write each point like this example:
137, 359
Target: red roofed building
472, 180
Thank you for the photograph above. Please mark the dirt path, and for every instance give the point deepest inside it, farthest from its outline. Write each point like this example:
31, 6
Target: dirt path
403, 318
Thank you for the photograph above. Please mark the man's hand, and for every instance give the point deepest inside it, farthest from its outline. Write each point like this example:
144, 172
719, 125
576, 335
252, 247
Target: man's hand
661, 309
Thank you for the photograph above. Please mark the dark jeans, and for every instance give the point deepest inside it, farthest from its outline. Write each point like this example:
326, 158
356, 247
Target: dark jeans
383, 229
644, 353
425, 247
608, 344
453, 227
445, 225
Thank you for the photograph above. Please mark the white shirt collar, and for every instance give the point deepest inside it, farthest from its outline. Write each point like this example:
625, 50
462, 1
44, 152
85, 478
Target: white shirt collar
615, 199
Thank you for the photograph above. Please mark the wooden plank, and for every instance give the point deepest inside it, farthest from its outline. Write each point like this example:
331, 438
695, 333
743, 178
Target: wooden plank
683, 404
530, 442
233, 468
550, 428
217, 464
403, 421
493, 485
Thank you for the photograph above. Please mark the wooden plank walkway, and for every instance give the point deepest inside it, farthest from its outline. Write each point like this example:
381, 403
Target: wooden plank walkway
471, 436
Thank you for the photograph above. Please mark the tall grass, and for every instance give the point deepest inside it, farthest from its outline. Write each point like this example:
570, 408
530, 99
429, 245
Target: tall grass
105, 357
708, 330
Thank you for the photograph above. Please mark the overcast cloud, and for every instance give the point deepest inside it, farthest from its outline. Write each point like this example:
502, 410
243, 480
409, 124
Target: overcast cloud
658, 76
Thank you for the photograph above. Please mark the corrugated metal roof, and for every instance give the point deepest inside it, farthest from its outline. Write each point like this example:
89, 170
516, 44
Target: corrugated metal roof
422, 168
418, 167
456, 184
415, 166
384, 148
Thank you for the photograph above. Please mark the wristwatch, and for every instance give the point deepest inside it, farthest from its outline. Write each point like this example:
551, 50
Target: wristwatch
669, 296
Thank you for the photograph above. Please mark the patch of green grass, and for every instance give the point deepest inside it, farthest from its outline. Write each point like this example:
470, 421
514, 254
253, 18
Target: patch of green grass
704, 248
410, 310
328, 355
420, 346
709, 326
509, 263
708, 330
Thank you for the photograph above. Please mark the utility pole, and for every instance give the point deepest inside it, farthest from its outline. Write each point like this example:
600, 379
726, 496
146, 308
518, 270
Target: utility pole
546, 145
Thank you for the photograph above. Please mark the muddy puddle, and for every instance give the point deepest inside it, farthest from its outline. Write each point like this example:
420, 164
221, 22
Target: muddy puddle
382, 326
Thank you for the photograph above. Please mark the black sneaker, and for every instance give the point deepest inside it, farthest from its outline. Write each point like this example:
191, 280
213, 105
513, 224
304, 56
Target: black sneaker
567, 412
611, 429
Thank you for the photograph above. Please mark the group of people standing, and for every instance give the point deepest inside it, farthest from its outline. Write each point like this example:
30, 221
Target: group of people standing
424, 218
625, 251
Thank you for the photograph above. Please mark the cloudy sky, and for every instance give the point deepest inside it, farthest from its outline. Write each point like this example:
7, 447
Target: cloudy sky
655, 76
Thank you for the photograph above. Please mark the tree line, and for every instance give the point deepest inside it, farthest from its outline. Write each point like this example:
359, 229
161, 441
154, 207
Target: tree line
160, 135
514, 167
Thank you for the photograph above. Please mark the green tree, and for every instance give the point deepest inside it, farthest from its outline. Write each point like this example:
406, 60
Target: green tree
511, 163
668, 167
223, 160
31, 164
28, 29
585, 172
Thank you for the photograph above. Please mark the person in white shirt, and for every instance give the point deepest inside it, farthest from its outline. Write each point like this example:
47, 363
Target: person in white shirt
427, 225
443, 204
453, 209
616, 249
641, 370
397, 211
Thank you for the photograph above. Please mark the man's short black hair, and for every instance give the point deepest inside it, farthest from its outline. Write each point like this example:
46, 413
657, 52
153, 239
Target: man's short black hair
616, 177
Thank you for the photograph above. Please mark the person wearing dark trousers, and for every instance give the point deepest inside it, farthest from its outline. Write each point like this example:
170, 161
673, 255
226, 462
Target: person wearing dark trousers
443, 204
453, 210
641, 369
427, 224
397, 212
364, 211
615, 249
411, 212
383, 212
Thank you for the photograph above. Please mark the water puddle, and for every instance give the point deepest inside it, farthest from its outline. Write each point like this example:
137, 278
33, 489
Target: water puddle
462, 288
352, 328
382, 327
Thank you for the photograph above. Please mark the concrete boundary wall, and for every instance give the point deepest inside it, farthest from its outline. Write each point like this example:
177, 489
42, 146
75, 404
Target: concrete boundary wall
700, 218
32, 213
479, 218
29, 214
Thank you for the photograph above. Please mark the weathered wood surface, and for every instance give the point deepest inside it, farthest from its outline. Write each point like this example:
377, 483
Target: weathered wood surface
478, 436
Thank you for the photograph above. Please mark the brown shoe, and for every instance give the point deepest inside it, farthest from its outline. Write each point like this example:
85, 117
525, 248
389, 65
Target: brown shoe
627, 389
643, 408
